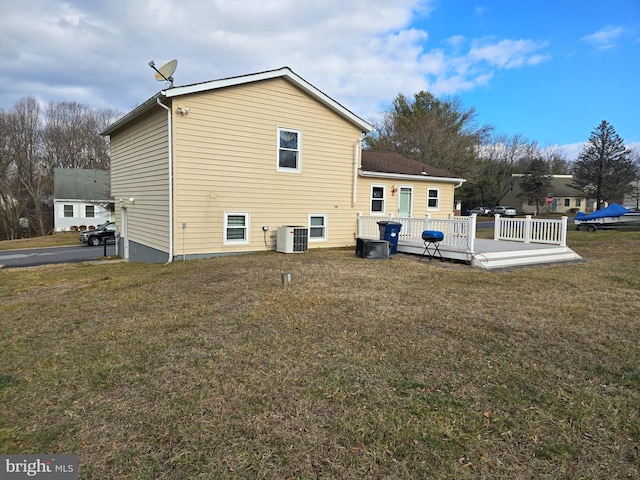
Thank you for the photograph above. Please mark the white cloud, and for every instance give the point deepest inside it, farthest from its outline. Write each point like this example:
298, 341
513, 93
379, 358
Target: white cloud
605, 38
360, 52
508, 53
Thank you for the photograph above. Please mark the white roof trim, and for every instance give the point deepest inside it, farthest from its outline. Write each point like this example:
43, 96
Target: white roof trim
284, 72
420, 178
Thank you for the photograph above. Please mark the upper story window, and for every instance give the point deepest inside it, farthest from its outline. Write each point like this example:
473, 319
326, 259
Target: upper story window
289, 142
433, 199
377, 199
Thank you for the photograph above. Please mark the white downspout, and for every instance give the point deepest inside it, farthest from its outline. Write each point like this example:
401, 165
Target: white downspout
356, 151
170, 179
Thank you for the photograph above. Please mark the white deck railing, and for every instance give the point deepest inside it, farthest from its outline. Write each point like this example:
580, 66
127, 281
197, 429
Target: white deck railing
530, 230
460, 232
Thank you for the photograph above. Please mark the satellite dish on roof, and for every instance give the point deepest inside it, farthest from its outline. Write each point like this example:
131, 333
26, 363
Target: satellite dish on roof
166, 71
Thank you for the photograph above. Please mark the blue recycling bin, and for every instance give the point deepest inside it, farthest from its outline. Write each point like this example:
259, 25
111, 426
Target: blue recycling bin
390, 231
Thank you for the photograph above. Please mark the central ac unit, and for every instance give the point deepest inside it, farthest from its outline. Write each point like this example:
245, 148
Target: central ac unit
292, 239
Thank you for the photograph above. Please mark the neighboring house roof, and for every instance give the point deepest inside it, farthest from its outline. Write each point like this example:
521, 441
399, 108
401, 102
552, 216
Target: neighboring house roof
561, 186
394, 164
284, 73
81, 184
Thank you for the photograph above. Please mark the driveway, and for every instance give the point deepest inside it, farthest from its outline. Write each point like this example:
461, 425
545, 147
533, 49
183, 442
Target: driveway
50, 255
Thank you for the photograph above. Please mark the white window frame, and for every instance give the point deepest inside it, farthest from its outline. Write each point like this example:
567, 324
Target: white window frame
247, 225
383, 199
298, 168
64, 212
437, 198
325, 231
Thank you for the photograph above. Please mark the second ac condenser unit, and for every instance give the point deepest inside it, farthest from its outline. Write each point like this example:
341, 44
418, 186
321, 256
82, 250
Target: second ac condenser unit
292, 239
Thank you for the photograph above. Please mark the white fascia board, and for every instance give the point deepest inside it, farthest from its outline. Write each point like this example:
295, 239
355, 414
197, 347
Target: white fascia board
280, 73
419, 178
139, 110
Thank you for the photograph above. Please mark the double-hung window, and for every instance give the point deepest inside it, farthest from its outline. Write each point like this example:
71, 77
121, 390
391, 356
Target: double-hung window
236, 228
433, 199
377, 199
89, 211
67, 211
289, 152
317, 227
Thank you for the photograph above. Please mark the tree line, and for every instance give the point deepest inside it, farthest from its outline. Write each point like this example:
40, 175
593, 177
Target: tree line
442, 133
35, 139
446, 135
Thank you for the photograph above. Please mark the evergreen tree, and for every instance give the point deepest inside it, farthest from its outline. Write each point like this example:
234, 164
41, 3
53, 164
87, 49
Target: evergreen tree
604, 166
536, 182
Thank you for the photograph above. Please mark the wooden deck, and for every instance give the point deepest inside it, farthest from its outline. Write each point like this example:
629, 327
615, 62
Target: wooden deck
499, 254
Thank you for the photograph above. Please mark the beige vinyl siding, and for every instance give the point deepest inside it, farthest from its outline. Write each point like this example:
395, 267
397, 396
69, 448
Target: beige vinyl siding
420, 189
139, 170
225, 161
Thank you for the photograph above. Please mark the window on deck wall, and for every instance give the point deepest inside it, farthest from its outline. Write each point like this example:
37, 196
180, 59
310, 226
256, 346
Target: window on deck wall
236, 228
289, 150
377, 199
433, 199
317, 227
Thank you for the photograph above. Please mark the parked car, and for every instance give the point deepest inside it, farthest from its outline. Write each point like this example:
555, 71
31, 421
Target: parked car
480, 211
504, 211
105, 232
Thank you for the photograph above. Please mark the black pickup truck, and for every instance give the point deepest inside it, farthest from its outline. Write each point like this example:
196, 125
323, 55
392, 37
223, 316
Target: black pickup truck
105, 232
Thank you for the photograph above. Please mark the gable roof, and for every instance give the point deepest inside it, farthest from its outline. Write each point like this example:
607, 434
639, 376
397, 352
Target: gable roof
81, 184
560, 186
285, 73
380, 164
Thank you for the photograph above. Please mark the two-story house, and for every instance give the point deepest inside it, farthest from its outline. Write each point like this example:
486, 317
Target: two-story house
217, 167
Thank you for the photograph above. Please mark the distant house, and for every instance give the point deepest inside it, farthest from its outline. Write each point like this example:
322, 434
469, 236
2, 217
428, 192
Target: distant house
81, 198
221, 167
566, 199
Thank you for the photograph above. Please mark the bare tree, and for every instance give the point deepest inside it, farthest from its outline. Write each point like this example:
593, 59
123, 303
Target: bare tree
72, 138
498, 160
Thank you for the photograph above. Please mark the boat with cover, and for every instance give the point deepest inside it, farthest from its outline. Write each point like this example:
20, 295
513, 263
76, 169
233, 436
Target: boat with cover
610, 217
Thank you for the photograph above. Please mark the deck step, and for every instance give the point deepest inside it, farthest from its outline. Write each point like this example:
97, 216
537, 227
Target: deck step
518, 258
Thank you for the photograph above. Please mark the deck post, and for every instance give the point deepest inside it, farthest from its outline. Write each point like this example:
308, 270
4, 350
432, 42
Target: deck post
496, 227
563, 233
527, 229
471, 238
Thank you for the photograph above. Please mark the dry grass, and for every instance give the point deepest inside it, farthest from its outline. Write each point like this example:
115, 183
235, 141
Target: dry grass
358, 369
57, 240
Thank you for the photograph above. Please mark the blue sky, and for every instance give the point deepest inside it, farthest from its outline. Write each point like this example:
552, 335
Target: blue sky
547, 70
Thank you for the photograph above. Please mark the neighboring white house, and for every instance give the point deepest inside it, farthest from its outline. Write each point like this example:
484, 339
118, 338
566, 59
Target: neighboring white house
81, 199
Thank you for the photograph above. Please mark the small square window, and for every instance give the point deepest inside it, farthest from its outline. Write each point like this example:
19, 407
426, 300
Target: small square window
68, 211
317, 227
236, 228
